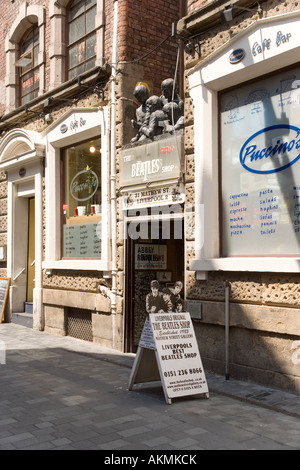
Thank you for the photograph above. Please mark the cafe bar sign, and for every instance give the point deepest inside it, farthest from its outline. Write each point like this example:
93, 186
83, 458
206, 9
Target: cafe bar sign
160, 160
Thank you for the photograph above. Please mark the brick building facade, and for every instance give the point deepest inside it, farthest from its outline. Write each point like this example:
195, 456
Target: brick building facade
82, 208
69, 70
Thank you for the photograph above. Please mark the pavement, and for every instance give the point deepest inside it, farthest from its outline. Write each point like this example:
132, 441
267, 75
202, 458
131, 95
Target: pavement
62, 393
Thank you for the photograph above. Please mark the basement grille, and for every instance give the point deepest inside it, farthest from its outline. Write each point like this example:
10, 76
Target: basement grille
79, 324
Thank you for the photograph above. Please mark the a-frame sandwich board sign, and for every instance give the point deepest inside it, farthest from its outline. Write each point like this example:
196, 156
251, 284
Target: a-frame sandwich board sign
168, 351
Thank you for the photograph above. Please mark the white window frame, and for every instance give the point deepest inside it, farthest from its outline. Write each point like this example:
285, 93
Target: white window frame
28, 14
213, 74
96, 125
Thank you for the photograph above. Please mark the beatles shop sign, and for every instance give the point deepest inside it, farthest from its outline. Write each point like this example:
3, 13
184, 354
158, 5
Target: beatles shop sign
156, 161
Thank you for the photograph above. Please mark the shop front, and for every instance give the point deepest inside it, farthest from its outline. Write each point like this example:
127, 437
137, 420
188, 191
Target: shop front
246, 118
77, 264
153, 205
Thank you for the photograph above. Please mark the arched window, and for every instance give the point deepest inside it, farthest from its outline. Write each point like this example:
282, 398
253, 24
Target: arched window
82, 48
25, 56
28, 66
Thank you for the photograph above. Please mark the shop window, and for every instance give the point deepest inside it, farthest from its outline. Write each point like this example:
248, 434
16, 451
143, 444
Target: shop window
260, 168
28, 66
82, 48
81, 205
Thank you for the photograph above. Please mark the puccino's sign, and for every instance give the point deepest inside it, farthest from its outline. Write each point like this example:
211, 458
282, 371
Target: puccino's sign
84, 185
256, 157
157, 161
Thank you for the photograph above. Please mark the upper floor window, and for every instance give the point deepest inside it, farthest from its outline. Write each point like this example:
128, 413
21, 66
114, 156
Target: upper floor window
82, 36
28, 66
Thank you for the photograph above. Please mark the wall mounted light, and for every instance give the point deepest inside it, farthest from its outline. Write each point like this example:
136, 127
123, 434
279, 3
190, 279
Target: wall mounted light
229, 11
192, 46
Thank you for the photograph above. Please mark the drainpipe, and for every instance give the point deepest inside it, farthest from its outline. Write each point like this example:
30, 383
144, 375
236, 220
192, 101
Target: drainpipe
227, 311
113, 177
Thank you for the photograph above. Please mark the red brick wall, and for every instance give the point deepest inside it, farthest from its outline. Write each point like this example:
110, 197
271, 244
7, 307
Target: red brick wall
142, 25
194, 5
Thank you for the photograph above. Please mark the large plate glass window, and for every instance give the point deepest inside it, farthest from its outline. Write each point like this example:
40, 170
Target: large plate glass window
82, 37
260, 168
81, 208
28, 66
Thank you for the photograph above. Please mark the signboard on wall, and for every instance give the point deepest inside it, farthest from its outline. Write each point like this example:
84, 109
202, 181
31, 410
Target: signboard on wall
160, 160
261, 167
170, 338
149, 197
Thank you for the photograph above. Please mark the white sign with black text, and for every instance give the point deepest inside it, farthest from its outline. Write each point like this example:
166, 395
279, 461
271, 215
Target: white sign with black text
172, 338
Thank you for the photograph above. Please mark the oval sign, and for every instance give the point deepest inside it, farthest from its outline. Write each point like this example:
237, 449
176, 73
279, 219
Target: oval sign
63, 128
84, 185
236, 56
271, 149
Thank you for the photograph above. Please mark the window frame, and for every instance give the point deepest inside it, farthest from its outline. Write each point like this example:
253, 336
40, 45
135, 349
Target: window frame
214, 74
95, 123
62, 193
80, 40
28, 15
33, 69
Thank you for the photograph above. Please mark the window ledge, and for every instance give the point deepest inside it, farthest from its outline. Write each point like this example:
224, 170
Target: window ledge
81, 265
255, 264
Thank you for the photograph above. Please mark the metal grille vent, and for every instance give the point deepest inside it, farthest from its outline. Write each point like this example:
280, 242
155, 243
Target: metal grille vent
79, 324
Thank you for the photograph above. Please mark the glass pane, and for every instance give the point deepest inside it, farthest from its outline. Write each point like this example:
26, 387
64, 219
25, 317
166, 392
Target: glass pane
82, 201
37, 79
91, 46
90, 20
76, 54
35, 56
90, 3
35, 37
76, 9
90, 64
76, 29
260, 167
75, 72
27, 83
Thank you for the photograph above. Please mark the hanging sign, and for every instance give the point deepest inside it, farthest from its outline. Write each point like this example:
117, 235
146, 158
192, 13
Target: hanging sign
168, 351
160, 160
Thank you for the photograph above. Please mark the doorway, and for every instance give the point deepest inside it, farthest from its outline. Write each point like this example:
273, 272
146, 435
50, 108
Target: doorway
154, 275
30, 254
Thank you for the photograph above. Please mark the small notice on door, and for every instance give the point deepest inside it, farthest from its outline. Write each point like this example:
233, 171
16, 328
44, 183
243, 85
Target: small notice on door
172, 338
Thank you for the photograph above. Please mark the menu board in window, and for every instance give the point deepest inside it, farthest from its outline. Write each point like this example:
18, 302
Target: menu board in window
260, 169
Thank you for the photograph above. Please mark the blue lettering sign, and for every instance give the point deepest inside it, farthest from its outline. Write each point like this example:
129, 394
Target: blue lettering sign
271, 158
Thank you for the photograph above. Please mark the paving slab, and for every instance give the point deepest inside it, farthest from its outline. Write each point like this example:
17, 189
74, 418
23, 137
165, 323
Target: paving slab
60, 393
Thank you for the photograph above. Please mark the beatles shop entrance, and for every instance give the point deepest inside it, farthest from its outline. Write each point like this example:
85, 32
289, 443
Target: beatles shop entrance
154, 270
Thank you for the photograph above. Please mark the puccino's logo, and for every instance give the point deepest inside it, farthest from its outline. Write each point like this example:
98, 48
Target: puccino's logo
279, 155
84, 185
